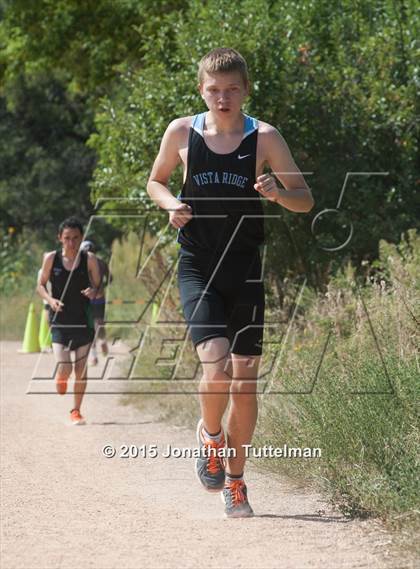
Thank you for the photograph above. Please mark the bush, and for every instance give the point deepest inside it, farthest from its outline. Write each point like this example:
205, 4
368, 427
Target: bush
339, 82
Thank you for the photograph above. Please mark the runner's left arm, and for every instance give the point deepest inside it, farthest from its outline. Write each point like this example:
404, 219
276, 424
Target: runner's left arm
295, 195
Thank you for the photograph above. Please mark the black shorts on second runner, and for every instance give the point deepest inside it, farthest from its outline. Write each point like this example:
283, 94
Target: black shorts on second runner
72, 337
223, 298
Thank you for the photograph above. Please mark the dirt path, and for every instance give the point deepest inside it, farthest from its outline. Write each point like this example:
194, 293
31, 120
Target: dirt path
65, 505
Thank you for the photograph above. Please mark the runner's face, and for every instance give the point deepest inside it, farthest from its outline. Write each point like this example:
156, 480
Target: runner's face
70, 239
223, 93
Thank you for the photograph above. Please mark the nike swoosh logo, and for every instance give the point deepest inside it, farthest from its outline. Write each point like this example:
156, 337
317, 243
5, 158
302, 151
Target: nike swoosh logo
244, 156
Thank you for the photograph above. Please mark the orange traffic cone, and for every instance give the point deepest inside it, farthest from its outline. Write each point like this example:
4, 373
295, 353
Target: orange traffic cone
30, 339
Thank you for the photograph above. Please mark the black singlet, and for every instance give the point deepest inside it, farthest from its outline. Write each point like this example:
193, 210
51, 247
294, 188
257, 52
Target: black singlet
220, 190
67, 286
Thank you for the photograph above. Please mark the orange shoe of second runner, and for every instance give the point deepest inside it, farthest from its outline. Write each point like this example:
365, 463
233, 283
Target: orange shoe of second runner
76, 418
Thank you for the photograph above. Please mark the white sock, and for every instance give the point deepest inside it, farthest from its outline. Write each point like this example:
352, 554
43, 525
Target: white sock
230, 478
216, 438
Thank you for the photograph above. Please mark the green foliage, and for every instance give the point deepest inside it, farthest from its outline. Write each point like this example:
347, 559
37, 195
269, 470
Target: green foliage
400, 263
84, 42
338, 80
20, 259
45, 163
56, 59
15, 262
362, 411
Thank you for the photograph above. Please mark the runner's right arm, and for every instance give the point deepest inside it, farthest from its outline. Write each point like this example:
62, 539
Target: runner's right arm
43, 278
166, 162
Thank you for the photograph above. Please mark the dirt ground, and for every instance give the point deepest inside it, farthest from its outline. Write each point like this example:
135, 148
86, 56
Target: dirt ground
65, 505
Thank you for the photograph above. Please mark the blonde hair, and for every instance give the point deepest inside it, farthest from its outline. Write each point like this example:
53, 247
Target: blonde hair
223, 60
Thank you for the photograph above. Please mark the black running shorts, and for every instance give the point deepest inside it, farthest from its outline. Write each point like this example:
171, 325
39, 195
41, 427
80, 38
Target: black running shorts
72, 338
223, 297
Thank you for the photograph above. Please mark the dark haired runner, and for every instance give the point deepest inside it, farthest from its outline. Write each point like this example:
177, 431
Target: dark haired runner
74, 277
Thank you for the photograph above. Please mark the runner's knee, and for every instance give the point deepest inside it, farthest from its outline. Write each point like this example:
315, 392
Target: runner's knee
215, 375
80, 366
243, 391
64, 371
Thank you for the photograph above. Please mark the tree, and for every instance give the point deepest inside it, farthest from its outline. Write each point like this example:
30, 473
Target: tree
82, 43
335, 79
45, 163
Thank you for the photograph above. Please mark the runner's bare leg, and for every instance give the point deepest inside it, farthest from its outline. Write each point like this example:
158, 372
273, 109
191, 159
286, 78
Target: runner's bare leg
215, 382
243, 410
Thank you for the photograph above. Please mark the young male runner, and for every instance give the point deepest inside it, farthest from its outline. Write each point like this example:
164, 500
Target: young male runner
97, 304
219, 218
71, 273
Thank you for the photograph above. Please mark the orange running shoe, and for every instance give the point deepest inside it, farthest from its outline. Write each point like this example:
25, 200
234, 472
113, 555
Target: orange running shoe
76, 418
235, 498
61, 385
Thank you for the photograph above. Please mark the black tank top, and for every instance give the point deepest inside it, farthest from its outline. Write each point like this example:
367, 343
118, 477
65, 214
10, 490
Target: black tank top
220, 190
66, 286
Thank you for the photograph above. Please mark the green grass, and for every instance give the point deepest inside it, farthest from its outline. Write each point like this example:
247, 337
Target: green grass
363, 410
14, 310
20, 260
